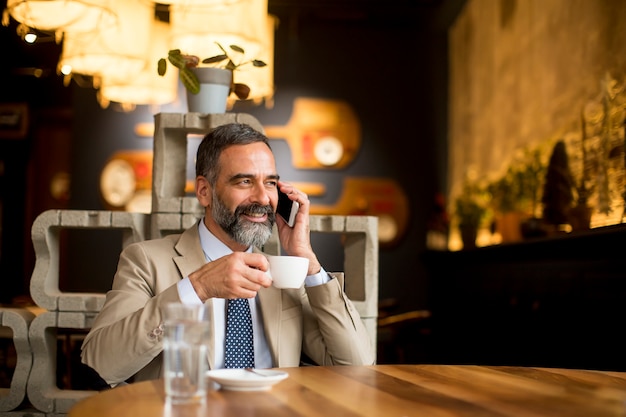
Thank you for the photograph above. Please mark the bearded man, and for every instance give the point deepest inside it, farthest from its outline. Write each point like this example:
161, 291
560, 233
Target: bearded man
219, 260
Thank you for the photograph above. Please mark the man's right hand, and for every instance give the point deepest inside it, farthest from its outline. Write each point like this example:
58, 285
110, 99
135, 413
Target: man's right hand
238, 275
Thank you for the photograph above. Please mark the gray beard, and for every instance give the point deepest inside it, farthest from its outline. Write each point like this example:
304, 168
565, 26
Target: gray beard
242, 231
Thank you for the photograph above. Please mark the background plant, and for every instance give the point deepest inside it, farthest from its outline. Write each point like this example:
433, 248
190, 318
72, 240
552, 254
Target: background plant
519, 188
470, 206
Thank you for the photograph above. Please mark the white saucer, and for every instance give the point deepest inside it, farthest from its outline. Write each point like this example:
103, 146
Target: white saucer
242, 380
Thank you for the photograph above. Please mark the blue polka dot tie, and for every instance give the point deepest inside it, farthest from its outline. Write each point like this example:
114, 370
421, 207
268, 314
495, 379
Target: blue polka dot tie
239, 351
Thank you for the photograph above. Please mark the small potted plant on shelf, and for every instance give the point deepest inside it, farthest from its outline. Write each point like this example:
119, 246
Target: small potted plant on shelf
193, 72
515, 196
470, 211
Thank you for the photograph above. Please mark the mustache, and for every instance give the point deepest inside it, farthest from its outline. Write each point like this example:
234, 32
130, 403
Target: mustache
254, 208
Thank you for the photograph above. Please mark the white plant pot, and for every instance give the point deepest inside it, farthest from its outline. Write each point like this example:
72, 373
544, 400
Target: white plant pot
214, 89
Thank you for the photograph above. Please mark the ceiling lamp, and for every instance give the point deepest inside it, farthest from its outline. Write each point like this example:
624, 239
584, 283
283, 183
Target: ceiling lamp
195, 30
145, 87
201, 3
120, 51
260, 80
62, 15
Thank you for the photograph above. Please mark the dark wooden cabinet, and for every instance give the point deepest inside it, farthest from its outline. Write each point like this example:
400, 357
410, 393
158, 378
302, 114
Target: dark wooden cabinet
556, 302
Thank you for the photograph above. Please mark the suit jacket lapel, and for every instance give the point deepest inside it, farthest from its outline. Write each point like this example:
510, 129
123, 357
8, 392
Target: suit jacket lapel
270, 302
191, 255
271, 306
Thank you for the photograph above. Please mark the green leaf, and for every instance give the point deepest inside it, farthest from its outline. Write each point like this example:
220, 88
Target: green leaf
214, 59
176, 58
162, 66
189, 80
237, 49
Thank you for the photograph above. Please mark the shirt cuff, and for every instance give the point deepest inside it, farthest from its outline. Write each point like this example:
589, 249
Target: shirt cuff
186, 292
320, 278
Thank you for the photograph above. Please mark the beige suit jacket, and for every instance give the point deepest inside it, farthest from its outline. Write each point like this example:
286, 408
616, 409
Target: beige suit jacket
125, 341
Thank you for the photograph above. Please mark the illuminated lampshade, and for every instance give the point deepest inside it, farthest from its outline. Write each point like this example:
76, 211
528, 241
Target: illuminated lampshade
201, 3
146, 87
62, 15
120, 50
260, 79
196, 29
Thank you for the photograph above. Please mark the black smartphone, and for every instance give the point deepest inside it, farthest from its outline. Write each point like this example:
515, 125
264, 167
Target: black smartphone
287, 209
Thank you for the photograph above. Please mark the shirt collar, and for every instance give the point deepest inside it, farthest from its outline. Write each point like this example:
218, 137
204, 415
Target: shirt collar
212, 247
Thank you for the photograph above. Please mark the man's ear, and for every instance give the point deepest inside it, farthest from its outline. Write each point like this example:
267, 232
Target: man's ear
203, 191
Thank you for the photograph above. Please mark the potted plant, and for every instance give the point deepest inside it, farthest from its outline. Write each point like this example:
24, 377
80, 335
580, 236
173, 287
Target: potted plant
470, 211
193, 73
515, 196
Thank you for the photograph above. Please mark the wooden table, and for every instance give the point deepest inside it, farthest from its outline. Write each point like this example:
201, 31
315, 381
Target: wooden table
387, 391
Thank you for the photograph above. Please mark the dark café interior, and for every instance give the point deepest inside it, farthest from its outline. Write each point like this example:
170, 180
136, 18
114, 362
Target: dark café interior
472, 150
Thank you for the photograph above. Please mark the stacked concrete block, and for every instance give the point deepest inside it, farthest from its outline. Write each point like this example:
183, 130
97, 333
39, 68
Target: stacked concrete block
360, 262
162, 224
18, 321
64, 309
28, 412
43, 392
46, 229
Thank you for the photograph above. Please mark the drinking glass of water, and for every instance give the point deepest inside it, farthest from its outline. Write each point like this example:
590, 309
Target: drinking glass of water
185, 362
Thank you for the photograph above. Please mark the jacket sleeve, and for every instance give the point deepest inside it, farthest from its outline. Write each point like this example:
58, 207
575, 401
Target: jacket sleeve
126, 334
334, 333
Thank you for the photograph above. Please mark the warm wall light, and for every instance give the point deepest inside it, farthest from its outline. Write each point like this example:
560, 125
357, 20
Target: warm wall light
30, 38
62, 15
121, 49
145, 87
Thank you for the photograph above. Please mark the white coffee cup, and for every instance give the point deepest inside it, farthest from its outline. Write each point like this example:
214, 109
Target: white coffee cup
287, 271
